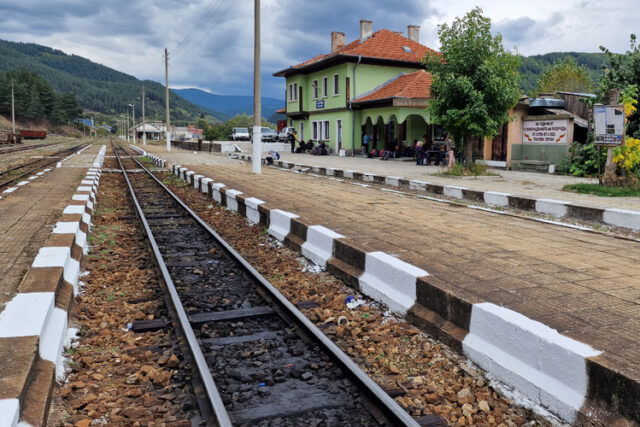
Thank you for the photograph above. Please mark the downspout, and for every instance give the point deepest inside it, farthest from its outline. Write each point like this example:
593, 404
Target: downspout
353, 113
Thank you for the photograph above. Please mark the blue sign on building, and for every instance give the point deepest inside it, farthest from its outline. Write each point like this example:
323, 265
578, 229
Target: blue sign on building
320, 104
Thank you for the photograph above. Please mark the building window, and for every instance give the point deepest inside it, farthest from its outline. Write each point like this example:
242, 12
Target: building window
314, 130
336, 84
326, 130
325, 87
314, 87
293, 92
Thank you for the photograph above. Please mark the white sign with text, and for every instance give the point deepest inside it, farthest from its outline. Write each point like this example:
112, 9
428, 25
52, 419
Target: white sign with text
545, 131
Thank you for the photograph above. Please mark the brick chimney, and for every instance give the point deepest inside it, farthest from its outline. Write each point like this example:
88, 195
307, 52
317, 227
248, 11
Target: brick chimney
413, 33
366, 29
337, 40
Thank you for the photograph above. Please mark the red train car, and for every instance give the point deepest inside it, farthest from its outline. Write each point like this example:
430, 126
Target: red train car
33, 134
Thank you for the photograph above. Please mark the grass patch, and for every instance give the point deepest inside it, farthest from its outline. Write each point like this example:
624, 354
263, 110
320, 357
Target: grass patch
602, 191
474, 169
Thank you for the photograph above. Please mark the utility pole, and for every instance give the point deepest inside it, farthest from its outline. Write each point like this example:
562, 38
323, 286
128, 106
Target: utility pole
256, 163
13, 117
128, 128
133, 122
166, 95
144, 130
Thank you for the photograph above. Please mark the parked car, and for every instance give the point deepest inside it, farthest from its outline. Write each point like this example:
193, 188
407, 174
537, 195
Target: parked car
267, 134
282, 135
240, 134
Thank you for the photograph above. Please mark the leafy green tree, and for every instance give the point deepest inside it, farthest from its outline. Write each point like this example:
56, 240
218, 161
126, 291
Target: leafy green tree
475, 80
623, 73
565, 75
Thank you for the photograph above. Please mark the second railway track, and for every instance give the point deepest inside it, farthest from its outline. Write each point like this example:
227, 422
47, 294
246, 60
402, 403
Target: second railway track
261, 361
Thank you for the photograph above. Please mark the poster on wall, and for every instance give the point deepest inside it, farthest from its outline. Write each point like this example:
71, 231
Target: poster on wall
609, 124
545, 131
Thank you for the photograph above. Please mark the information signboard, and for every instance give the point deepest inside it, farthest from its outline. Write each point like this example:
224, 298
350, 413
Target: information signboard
544, 131
609, 124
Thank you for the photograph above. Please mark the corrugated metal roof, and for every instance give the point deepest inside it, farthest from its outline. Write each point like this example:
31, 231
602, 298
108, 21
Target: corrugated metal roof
576, 119
547, 102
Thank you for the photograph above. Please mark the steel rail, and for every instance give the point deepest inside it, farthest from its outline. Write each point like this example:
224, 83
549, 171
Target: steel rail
40, 166
385, 403
29, 147
213, 396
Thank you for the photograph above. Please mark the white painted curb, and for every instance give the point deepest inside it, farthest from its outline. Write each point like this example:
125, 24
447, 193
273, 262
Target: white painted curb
548, 368
416, 184
393, 181
280, 223
319, 245
494, 198
251, 204
347, 174
59, 256
196, 181
26, 314
622, 218
390, 280
552, 207
10, 412
453, 191
72, 228
204, 184
232, 203
217, 194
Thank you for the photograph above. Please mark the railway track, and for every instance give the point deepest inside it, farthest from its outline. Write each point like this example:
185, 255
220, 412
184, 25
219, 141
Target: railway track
16, 173
260, 360
29, 147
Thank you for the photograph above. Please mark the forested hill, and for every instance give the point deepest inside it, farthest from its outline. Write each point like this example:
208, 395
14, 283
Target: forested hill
533, 66
96, 87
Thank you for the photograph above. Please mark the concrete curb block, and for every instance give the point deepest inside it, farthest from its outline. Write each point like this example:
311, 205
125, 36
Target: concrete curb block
216, 190
319, 244
616, 217
196, 181
251, 204
232, 202
34, 313
204, 185
556, 208
494, 198
390, 280
548, 368
280, 223
622, 218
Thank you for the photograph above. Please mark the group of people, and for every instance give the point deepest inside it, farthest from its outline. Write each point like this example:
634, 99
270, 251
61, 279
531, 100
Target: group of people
444, 155
307, 147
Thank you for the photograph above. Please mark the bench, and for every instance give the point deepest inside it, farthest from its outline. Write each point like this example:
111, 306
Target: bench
541, 165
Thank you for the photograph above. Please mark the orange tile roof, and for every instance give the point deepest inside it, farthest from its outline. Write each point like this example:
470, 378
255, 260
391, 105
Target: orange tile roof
383, 44
281, 110
413, 85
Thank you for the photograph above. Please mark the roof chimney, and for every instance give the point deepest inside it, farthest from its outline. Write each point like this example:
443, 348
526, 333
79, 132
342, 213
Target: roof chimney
413, 33
366, 29
337, 40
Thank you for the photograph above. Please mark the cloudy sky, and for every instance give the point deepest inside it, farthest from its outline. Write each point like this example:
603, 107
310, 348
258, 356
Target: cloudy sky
211, 41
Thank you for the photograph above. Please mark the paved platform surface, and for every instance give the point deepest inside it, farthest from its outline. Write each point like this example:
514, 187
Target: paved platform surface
530, 184
29, 214
585, 285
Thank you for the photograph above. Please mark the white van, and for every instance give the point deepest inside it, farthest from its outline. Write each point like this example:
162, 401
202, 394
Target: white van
240, 134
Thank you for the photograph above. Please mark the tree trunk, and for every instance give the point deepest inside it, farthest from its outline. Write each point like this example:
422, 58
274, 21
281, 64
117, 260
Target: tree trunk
468, 151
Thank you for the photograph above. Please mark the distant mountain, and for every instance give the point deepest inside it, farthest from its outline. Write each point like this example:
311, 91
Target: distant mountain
231, 105
533, 66
96, 87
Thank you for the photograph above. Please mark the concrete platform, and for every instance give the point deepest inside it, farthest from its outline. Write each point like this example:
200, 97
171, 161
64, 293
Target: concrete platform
44, 238
577, 291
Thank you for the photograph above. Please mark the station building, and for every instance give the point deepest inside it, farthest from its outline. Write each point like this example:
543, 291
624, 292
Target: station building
375, 84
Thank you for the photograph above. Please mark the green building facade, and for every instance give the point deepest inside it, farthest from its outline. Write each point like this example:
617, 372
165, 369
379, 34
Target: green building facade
375, 85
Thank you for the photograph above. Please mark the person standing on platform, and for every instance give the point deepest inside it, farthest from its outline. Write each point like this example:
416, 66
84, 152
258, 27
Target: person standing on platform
365, 143
292, 140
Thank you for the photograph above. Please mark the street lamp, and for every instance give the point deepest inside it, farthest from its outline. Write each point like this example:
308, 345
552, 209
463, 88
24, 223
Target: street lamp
133, 122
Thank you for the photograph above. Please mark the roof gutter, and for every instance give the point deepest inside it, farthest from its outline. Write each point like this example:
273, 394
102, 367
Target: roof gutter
353, 113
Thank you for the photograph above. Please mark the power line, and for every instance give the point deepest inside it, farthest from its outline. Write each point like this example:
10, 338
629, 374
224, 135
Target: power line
213, 25
205, 17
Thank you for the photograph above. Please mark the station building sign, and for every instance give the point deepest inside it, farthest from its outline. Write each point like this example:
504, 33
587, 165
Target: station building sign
609, 124
545, 131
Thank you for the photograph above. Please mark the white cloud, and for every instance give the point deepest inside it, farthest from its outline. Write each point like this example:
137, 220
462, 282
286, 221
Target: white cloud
211, 41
